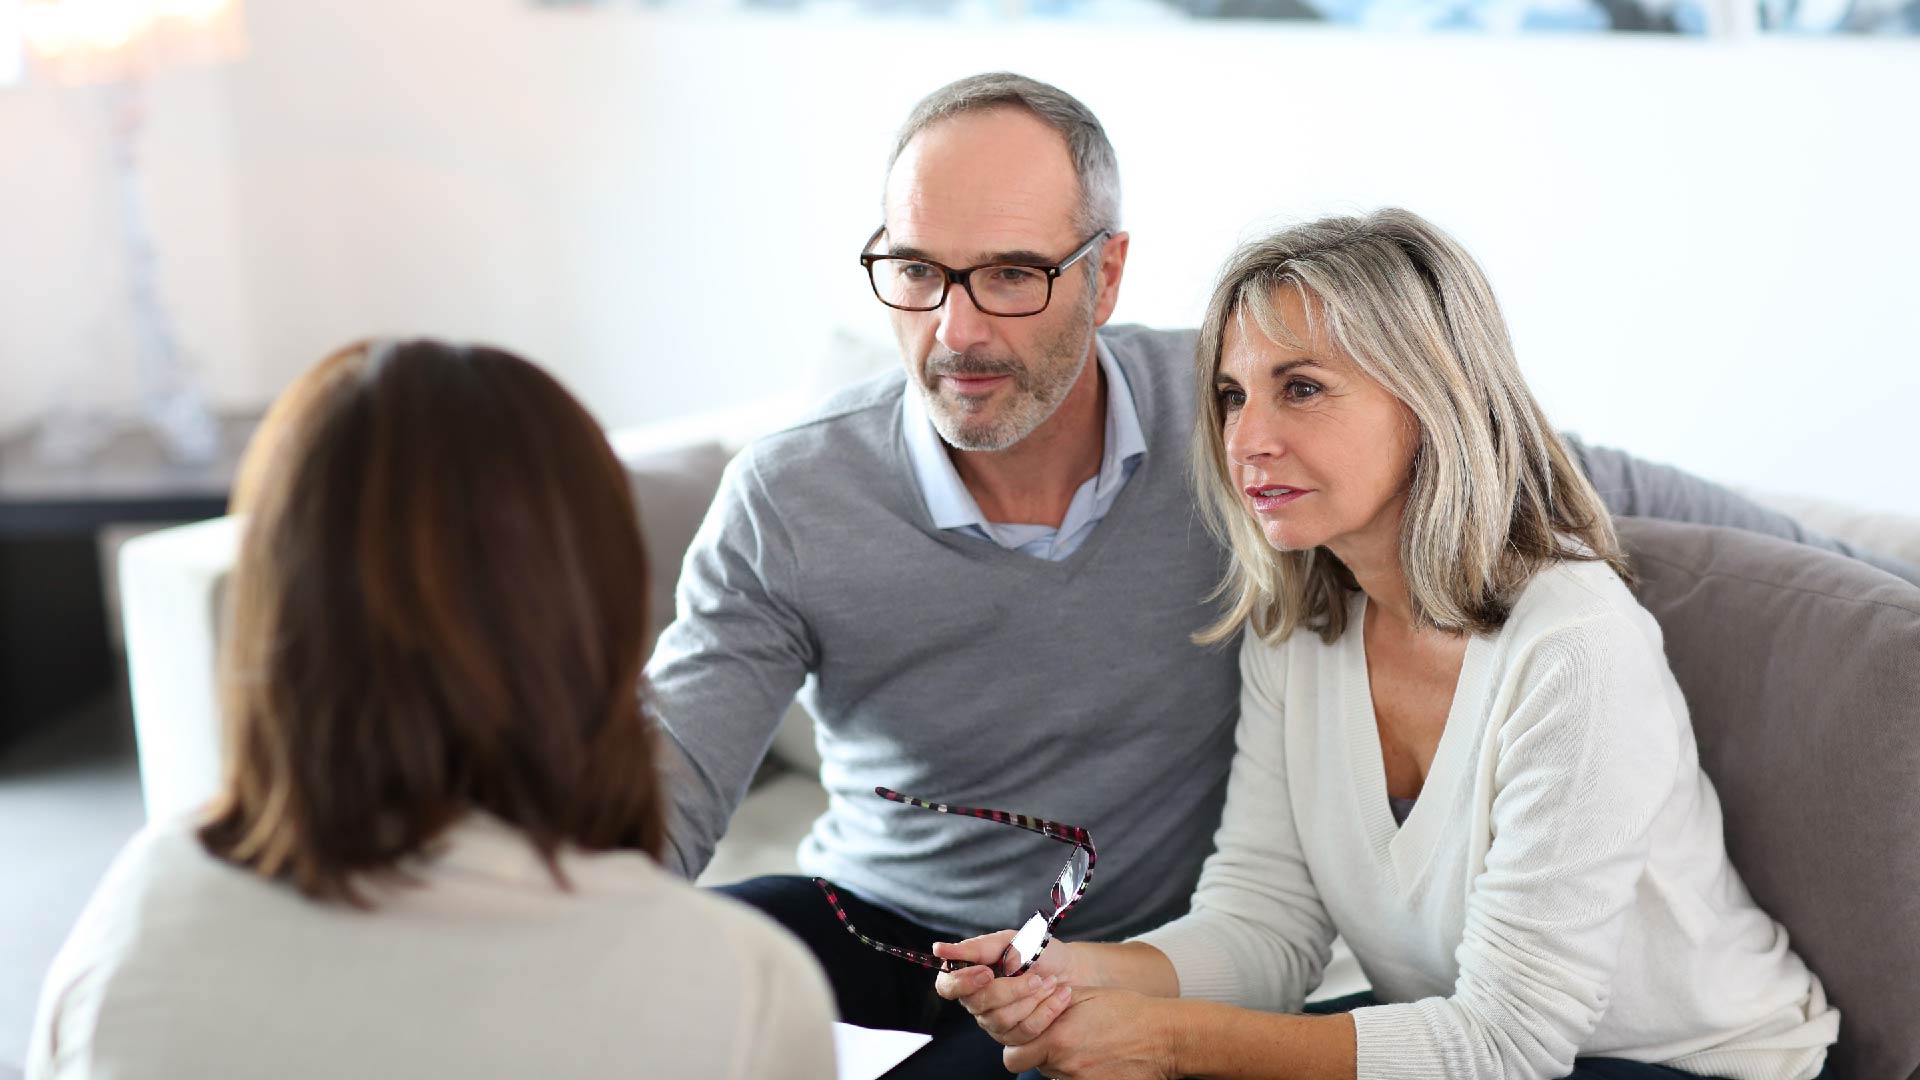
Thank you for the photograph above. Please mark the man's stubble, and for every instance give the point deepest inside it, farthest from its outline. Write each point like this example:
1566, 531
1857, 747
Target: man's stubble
1037, 391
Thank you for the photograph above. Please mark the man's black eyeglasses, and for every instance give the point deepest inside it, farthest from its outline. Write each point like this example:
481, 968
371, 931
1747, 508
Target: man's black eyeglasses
1009, 290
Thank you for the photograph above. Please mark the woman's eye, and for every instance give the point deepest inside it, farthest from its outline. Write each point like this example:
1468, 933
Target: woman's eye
1300, 390
1230, 397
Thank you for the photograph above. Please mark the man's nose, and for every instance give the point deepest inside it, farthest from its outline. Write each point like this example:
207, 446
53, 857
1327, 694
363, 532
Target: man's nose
962, 325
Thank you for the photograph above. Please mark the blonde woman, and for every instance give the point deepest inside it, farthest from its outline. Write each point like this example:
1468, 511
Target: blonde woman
1459, 744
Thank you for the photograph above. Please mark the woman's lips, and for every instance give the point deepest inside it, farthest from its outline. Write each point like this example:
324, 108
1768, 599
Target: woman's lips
1270, 497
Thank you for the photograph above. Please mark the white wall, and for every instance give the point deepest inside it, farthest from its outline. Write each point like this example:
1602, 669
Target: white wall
12, 53
1707, 250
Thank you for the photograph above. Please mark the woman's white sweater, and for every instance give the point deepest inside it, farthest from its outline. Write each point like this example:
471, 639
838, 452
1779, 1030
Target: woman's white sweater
1561, 888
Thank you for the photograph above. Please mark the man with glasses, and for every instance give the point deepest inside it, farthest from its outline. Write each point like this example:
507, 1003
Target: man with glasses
985, 574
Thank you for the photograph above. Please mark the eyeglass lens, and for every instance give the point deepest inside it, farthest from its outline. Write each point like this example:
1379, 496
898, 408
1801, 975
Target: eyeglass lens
997, 290
1067, 885
1026, 944
1032, 936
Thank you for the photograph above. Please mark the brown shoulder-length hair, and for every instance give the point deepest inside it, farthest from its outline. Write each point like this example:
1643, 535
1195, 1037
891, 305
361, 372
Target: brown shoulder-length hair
439, 606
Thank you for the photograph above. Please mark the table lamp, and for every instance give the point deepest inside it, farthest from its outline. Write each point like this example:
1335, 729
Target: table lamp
119, 44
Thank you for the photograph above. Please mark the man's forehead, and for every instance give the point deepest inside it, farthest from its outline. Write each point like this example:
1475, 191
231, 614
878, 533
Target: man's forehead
980, 186
962, 235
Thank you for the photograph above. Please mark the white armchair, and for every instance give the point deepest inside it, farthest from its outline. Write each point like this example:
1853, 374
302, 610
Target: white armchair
171, 584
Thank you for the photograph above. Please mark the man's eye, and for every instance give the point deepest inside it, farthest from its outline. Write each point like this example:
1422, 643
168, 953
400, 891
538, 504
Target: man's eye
914, 271
1013, 275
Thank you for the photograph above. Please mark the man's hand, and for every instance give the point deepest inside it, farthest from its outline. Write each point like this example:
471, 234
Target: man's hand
1108, 1034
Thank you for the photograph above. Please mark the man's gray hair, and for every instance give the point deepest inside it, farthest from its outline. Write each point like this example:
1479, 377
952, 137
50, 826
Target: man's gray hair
1093, 161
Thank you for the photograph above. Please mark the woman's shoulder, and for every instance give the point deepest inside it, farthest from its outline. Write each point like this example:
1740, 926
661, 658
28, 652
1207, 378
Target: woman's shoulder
156, 878
164, 857
1578, 634
739, 969
1573, 599
627, 888
1299, 659
754, 936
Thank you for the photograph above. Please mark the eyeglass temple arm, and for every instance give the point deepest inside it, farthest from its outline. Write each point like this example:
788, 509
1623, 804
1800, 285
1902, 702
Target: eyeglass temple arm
915, 956
1066, 834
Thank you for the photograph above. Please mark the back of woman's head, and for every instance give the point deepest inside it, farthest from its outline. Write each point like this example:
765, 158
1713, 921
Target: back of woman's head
1493, 494
439, 606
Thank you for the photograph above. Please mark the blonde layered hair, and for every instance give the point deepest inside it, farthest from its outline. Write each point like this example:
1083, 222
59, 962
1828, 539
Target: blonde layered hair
1494, 495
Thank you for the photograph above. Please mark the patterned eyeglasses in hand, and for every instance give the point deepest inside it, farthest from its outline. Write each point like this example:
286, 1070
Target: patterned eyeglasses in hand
1034, 936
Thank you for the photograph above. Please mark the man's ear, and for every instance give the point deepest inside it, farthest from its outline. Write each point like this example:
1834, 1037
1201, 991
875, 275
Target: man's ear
1113, 264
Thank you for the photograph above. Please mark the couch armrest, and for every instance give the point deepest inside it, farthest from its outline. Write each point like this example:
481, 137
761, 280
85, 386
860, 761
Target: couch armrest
171, 584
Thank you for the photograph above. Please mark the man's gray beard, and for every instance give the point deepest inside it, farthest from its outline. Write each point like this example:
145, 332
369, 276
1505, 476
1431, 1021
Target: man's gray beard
1036, 397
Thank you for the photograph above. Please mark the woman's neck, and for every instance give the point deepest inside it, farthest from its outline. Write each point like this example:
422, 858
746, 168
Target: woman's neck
1373, 558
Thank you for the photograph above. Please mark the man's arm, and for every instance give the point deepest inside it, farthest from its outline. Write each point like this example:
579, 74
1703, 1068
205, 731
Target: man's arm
723, 673
1635, 488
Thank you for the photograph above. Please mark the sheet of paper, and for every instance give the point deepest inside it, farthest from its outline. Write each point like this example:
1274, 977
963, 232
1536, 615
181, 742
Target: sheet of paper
867, 1053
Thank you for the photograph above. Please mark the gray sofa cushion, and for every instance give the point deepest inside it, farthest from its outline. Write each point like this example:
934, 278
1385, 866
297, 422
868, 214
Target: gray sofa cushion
673, 488
1802, 673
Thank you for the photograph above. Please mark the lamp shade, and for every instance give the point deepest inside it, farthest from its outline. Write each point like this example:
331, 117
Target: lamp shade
92, 41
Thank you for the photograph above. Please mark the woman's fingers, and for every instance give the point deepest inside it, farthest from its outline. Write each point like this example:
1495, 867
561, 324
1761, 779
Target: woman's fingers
1021, 1056
985, 949
980, 952
979, 992
959, 985
1028, 1018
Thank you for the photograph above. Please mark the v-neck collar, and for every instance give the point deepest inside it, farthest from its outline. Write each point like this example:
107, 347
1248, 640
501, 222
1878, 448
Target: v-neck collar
1403, 849
1118, 519
951, 507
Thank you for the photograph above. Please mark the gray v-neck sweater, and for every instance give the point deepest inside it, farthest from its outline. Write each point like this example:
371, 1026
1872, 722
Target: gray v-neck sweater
952, 669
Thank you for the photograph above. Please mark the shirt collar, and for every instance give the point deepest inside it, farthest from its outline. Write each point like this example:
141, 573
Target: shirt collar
949, 502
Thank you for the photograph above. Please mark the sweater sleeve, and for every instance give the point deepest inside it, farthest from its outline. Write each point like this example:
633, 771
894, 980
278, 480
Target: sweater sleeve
1587, 756
723, 673
1257, 935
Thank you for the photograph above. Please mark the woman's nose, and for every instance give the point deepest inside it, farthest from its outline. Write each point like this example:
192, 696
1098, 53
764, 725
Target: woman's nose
1253, 435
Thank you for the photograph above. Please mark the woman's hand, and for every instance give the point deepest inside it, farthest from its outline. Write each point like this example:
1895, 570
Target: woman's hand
1014, 1011
1109, 1034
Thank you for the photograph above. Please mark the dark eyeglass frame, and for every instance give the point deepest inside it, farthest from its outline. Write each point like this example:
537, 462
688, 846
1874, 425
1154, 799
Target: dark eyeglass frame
1066, 834
964, 277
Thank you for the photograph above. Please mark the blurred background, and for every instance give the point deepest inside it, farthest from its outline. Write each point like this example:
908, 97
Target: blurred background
1700, 217
1704, 243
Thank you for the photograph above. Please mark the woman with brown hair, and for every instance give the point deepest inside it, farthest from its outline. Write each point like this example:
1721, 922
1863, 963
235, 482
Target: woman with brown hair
433, 852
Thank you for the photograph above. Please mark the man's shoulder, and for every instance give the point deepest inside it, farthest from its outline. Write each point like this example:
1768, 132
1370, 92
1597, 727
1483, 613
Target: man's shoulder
855, 423
1158, 365
855, 403
1132, 339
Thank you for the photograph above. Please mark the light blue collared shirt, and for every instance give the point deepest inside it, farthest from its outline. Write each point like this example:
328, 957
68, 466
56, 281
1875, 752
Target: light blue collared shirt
951, 505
